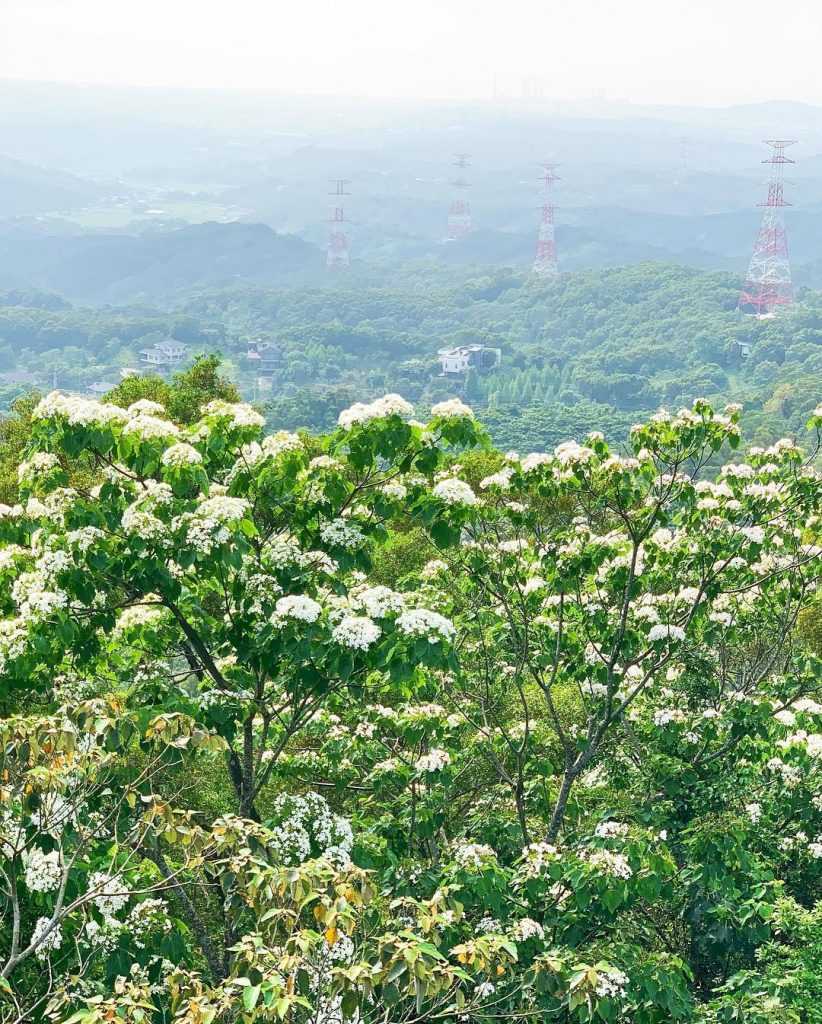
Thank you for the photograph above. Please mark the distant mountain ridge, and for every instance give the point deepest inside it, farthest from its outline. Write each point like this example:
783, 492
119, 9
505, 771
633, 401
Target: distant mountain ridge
27, 189
118, 267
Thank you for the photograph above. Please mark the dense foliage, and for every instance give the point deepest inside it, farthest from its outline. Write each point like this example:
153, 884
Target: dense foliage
385, 725
590, 350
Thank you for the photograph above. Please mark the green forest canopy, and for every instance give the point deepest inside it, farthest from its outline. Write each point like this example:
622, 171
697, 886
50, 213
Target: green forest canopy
592, 348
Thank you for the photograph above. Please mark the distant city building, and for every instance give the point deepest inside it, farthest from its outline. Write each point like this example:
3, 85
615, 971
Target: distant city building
163, 356
99, 388
459, 360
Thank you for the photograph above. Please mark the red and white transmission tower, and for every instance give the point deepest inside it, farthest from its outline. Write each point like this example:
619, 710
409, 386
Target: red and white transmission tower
768, 285
338, 255
545, 261
459, 213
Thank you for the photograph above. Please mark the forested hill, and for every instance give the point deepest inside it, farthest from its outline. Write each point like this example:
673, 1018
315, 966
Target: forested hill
591, 350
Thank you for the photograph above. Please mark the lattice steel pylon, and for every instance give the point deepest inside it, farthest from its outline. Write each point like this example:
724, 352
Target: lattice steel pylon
459, 213
545, 260
768, 287
338, 255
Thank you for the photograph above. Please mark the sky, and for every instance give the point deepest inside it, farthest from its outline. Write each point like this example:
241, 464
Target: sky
701, 52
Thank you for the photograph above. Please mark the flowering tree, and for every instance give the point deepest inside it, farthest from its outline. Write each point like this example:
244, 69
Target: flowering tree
206, 575
551, 770
615, 582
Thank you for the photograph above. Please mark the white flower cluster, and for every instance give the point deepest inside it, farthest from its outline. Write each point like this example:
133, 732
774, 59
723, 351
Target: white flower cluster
139, 522
452, 408
455, 492
790, 774
325, 462
46, 942
619, 464
434, 761
341, 950
611, 830
754, 812
272, 446
138, 616
433, 568
534, 460
150, 917
280, 442
569, 453
615, 864
502, 479
82, 412
281, 550
306, 823
240, 414
84, 537
38, 464
12, 834
394, 490
36, 600
179, 455
527, 928
208, 526
109, 893
145, 406
102, 937
474, 856
140, 518
378, 602
149, 428
488, 925
361, 412
663, 538
13, 640
425, 623
667, 715
611, 983
669, 632
357, 632
536, 857
297, 607
43, 871
341, 534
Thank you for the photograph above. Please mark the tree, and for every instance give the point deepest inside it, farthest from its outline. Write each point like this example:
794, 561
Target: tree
186, 393
379, 727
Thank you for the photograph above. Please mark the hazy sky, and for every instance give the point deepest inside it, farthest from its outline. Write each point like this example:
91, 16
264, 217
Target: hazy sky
667, 51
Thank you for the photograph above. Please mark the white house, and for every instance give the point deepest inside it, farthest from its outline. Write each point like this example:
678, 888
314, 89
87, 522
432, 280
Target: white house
166, 353
459, 360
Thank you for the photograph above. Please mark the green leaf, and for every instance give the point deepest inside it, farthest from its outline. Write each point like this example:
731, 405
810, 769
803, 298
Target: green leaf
250, 996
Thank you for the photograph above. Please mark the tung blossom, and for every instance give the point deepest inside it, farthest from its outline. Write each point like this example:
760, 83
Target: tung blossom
434, 761
297, 607
357, 632
661, 631
181, 454
423, 622
455, 492
361, 412
453, 408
